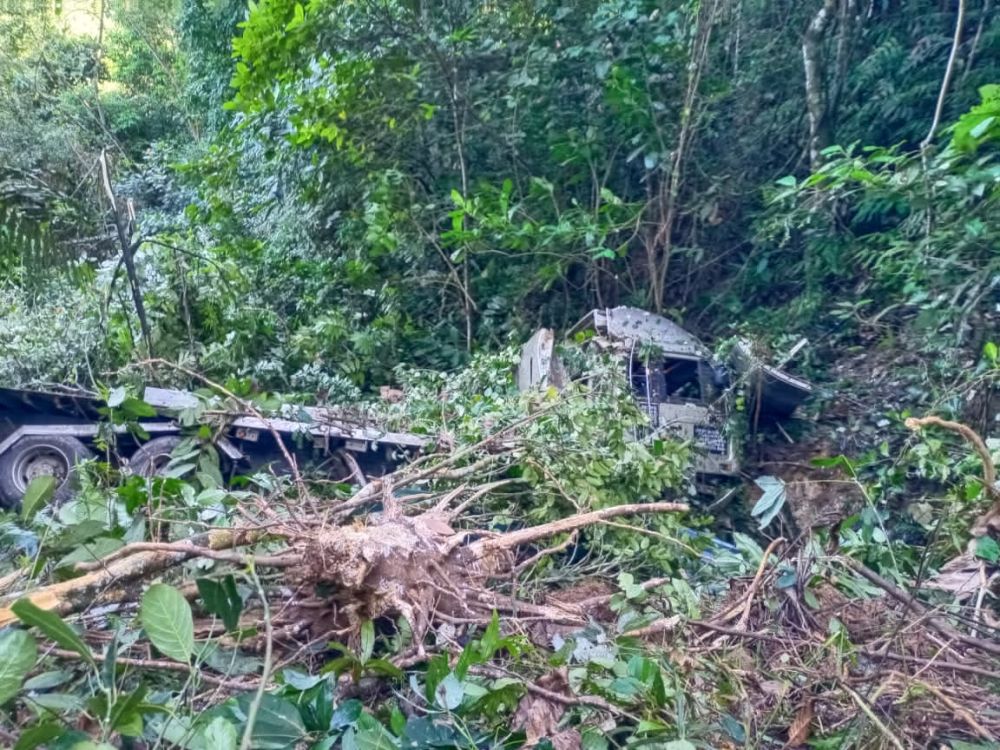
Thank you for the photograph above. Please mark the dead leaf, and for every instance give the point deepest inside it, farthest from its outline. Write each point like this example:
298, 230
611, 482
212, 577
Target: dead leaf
798, 732
539, 716
959, 576
390, 394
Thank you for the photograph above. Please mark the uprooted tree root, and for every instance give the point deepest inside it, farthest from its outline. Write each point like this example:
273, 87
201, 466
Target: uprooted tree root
891, 669
385, 564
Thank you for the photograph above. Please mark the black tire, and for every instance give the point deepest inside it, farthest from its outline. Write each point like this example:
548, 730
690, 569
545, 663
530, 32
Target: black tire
154, 456
40, 455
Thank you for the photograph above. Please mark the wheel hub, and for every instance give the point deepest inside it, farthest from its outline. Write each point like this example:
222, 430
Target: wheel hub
41, 462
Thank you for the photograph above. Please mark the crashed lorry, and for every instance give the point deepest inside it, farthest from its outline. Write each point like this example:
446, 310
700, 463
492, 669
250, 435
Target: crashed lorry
686, 393
673, 375
49, 433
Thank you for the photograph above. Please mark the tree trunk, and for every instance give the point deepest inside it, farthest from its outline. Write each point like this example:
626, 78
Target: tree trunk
816, 99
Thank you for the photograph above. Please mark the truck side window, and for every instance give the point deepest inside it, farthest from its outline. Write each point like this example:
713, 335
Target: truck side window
682, 379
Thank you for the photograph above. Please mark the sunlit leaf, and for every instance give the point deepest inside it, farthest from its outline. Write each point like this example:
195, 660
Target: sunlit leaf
166, 617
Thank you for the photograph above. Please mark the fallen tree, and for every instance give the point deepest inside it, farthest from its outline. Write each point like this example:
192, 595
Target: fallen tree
449, 594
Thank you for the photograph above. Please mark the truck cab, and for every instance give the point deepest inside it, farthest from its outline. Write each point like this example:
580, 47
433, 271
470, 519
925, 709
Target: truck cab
675, 380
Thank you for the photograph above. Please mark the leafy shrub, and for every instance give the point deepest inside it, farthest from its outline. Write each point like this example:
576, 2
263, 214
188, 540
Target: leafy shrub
52, 336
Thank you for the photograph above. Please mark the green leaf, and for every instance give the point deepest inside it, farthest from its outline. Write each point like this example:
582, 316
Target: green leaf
367, 640
591, 739
48, 680
990, 351
490, 641
987, 549
369, 734
421, 732
449, 693
786, 181
17, 656
734, 728
40, 491
299, 18
397, 721
278, 725
437, 669
52, 626
771, 502
980, 129
90, 551
835, 462
220, 735
127, 712
58, 702
135, 408
38, 735
385, 668
166, 618
116, 396
347, 714
222, 599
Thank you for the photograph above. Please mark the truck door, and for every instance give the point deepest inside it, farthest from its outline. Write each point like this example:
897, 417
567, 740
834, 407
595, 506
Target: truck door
535, 368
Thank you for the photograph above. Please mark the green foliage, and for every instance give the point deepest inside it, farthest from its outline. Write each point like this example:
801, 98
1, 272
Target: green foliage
52, 626
910, 228
166, 618
582, 447
38, 493
980, 124
222, 599
17, 656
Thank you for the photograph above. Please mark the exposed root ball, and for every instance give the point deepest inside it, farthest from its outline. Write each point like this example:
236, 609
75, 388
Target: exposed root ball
398, 566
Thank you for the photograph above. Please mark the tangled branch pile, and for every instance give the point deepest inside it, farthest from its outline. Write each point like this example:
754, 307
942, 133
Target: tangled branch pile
418, 610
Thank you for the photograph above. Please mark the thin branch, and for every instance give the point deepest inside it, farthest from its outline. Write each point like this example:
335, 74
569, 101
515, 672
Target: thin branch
949, 72
254, 708
160, 664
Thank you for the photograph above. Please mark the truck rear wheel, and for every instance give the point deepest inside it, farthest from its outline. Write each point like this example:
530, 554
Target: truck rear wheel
35, 456
152, 458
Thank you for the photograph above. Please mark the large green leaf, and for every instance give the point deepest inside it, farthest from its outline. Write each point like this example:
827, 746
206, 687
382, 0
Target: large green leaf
91, 551
17, 656
369, 734
166, 618
53, 626
126, 714
220, 734
367, 640
771, 502
39, 492
42, 733
278, 725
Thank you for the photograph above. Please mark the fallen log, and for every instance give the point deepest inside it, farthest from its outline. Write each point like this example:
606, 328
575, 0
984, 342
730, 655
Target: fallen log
116, 578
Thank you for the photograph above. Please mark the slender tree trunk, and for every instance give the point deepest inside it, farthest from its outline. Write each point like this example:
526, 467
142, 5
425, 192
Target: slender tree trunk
949, 73
128, 253
816, 97
659, 254
98, 58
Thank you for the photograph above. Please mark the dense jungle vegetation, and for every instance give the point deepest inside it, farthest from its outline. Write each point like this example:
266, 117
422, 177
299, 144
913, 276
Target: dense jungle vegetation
294, 203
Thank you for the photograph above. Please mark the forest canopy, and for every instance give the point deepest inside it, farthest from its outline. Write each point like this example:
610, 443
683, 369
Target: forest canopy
334, 224
347, 186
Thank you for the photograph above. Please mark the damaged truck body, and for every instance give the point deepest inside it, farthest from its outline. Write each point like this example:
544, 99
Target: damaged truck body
686, 394
675, 379
49, 433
